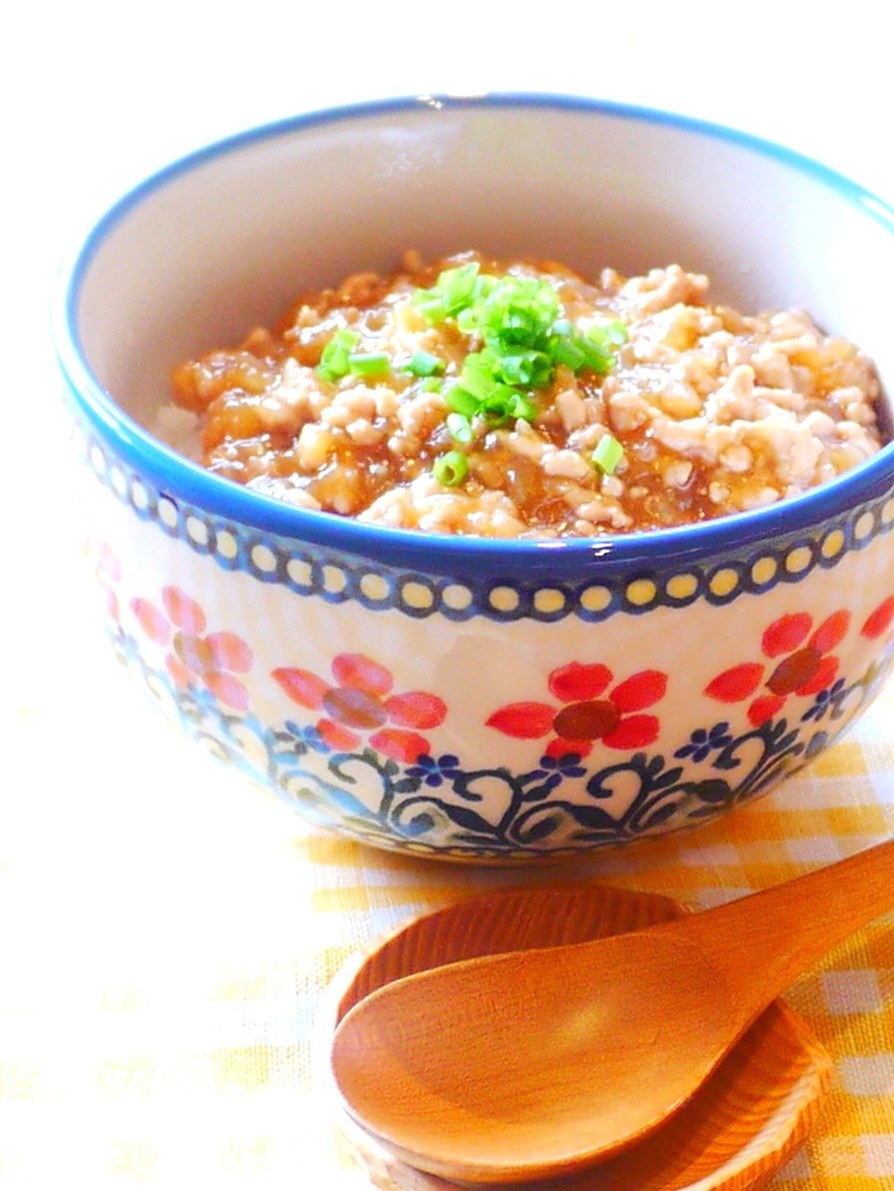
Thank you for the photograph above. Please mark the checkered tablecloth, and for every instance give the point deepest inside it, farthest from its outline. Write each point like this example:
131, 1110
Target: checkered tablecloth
167, 933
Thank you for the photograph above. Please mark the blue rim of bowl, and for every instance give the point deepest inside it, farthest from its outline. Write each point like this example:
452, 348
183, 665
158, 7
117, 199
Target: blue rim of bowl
188, 481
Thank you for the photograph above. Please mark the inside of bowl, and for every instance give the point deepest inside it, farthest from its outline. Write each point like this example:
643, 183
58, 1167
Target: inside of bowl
227, 240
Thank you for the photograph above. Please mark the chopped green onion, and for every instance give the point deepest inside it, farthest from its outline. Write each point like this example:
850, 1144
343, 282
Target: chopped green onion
600, 343
424, 364
616, 332
596, 357
431, 305
477, 376
523, 407
524, 334
462, 402
460, 428
432, 384
450, 294
451, 468
532, 369
608, 454
369, 363
496, 408
565, 351
334, 360
458, 286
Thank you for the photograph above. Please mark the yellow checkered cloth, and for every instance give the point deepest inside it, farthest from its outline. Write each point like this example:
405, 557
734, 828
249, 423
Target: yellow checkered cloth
167, 934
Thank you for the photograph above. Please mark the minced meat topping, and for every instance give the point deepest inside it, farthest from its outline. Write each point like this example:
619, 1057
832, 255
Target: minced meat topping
518, 400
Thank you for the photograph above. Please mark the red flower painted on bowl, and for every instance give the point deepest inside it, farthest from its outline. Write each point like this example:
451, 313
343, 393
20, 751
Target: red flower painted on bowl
880, 621
359, 704
589, 709
210, 660
805, 665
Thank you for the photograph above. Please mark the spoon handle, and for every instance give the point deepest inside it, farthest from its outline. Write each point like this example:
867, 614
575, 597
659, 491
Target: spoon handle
786, 929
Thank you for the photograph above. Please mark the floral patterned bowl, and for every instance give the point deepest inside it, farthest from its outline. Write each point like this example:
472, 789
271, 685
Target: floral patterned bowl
470, 699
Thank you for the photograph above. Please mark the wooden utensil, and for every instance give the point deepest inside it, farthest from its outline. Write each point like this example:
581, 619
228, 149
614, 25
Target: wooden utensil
539, 1063
742, 1125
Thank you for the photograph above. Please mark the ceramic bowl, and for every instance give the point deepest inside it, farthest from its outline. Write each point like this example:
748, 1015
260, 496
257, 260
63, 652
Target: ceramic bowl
713, 660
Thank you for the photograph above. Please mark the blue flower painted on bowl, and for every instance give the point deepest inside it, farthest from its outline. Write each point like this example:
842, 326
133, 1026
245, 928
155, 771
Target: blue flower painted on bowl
432, 771
705, 741
825, 702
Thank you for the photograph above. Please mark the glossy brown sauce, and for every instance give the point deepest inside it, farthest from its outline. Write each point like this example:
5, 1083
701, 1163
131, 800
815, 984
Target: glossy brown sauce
256, 402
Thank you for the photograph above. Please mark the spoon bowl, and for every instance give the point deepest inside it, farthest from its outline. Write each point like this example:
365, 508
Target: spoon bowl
739, 1129
540, 1063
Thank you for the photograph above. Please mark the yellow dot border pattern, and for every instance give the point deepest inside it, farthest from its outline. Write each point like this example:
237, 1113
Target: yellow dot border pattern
317, 571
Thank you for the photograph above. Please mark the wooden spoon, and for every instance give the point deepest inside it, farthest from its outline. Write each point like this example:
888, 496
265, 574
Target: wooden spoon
539, 1063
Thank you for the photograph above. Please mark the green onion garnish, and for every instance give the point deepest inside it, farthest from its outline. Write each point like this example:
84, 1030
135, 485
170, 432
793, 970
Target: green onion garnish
496, 408
477, 376
424, 364
531, 369
462, 402
522, 407
525, 337
565, 351
608, 454
369, 363
460, 428
615, 332
334, 360
452, 292
451, 468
